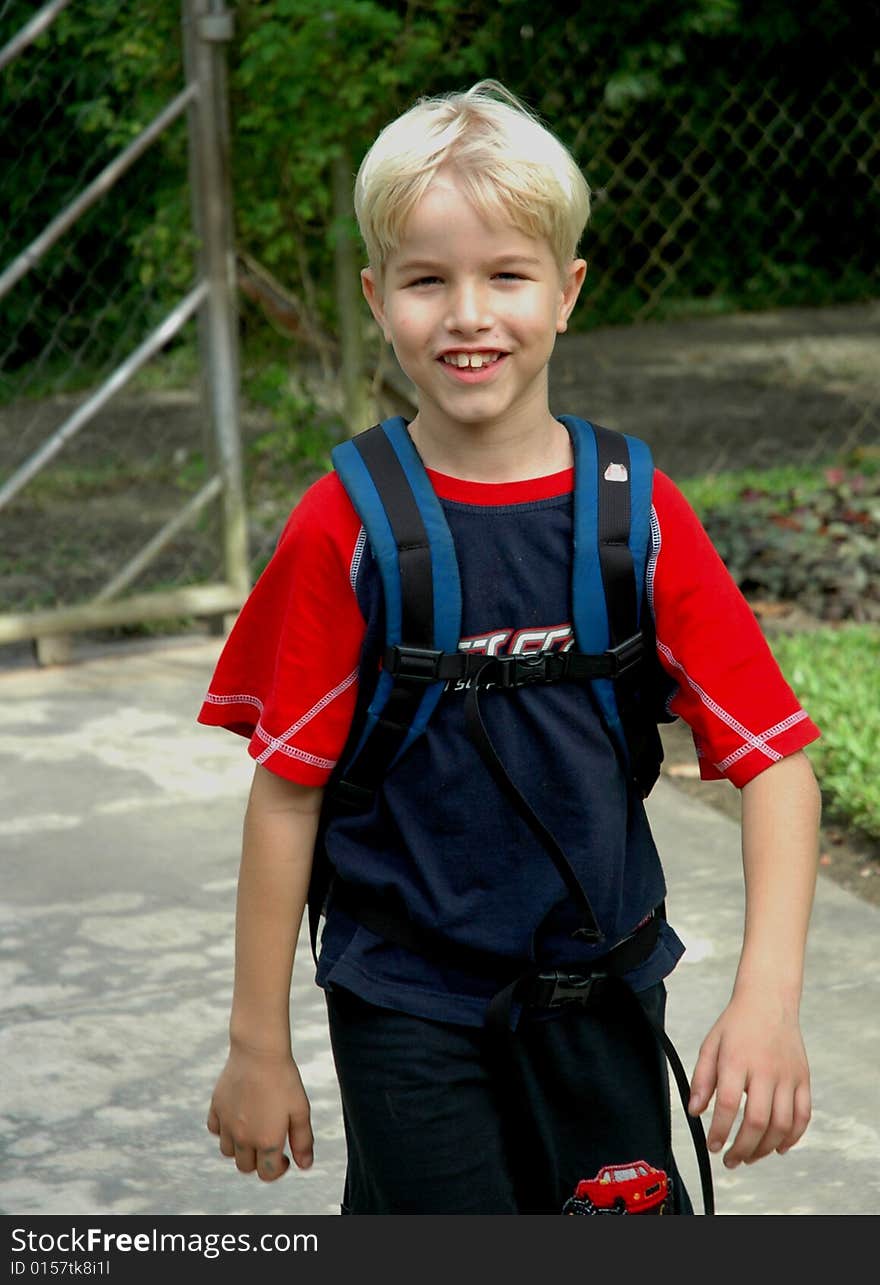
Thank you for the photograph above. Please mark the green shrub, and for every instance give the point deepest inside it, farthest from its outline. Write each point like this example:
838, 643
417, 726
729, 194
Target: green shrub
298, 443
802, 536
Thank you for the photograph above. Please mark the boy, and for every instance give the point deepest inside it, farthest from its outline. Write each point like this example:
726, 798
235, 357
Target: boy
471, 213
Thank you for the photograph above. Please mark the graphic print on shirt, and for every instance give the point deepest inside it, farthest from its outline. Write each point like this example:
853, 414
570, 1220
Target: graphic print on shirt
513, 642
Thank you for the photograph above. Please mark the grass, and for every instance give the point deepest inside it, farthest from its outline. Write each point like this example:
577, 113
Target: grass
721, 490
718, 490
177, 366
832, 669
833, 672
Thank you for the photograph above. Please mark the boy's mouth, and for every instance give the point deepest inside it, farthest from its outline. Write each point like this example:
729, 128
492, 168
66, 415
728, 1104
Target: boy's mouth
472, 367
474, 360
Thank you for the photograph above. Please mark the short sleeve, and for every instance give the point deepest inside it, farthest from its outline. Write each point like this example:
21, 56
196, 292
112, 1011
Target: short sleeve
287, 675
730, 690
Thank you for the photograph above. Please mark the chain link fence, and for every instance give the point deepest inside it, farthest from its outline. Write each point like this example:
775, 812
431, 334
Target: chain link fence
108, 466
707, 213
714, 197
722, 201
730, 308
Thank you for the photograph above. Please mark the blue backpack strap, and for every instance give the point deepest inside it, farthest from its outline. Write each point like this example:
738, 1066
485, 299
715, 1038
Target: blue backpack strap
612, 528
408, 533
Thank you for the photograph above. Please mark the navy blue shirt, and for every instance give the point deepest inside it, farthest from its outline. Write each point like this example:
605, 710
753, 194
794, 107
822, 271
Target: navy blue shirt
442, 839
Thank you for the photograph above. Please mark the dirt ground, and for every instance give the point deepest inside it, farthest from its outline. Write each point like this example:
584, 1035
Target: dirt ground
749, 390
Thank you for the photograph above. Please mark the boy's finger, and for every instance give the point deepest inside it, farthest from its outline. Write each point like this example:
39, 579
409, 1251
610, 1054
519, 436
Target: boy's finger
301, 1143
778, 1129
213, 1121
303, 1153
271, 1164
728, 1096
704, 1079
245, 1158
782, 1123
701, 1095
801, 1117
753, 1127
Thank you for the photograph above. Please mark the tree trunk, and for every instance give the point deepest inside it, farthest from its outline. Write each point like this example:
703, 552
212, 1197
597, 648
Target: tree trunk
358, 410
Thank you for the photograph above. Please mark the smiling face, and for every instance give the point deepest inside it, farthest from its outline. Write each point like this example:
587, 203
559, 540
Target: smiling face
472, 311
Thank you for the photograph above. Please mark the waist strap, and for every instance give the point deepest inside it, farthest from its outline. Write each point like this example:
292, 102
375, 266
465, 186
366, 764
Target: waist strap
379, 915
533, 986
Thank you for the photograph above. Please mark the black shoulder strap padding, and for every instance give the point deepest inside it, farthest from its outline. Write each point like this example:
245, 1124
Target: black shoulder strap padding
416, 597
417, 629
413, 545
615, 558
636, 702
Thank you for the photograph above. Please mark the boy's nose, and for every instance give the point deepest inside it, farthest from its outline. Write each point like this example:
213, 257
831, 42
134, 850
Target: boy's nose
469, 309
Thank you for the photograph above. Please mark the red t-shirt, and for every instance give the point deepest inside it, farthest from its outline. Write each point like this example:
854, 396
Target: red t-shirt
287, 676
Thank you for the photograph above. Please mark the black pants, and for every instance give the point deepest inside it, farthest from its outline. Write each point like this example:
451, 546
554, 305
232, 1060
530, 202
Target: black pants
444, 1119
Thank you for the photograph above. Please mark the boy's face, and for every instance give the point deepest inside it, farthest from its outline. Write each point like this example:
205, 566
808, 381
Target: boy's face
457, 285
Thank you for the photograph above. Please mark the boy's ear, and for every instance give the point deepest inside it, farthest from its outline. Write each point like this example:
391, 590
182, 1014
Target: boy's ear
373, 296
571, 288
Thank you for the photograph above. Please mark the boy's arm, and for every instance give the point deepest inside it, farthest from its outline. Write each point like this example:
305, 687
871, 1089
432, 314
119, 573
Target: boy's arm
259, 1101
755, 1047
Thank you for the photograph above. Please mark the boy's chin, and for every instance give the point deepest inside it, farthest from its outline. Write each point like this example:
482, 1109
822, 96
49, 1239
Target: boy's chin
472, 418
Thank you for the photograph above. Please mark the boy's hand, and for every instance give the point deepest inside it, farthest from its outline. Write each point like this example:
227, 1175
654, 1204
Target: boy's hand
754, 1048
258, 1105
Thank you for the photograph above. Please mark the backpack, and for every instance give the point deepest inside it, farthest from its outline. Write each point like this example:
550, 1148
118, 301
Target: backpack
614, 650
390, 490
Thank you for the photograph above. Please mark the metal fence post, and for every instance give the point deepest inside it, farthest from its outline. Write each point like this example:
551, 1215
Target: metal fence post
207, 27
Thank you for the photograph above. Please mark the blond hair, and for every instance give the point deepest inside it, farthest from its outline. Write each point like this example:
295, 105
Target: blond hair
512, 169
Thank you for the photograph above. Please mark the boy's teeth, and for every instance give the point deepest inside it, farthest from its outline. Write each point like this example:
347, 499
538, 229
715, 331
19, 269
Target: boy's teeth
475, 360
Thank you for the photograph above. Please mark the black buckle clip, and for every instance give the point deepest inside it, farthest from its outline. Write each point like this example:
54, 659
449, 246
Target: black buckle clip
555, 988
413, 664
529, 669
521, 671
626, 654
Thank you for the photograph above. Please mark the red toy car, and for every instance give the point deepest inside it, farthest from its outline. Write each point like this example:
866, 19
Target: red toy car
633, 1188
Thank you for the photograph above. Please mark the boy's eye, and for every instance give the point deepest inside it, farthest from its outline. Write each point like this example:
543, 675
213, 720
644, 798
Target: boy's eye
430, 281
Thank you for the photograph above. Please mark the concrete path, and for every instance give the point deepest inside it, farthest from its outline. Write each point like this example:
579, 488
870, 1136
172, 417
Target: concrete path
120, 823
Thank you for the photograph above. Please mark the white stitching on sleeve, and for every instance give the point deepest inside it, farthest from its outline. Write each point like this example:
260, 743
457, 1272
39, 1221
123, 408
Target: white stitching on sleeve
291, 751
274, 743
656, 541
776, 730
752, 741
650, 571
356, 556
213, 699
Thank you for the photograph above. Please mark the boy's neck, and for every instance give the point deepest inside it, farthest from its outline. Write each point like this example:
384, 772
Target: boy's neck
512, 452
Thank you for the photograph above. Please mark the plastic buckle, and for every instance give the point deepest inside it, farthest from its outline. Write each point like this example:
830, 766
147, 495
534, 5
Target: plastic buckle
530, 669
557, 988
520, 671
413, 664
626, 654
